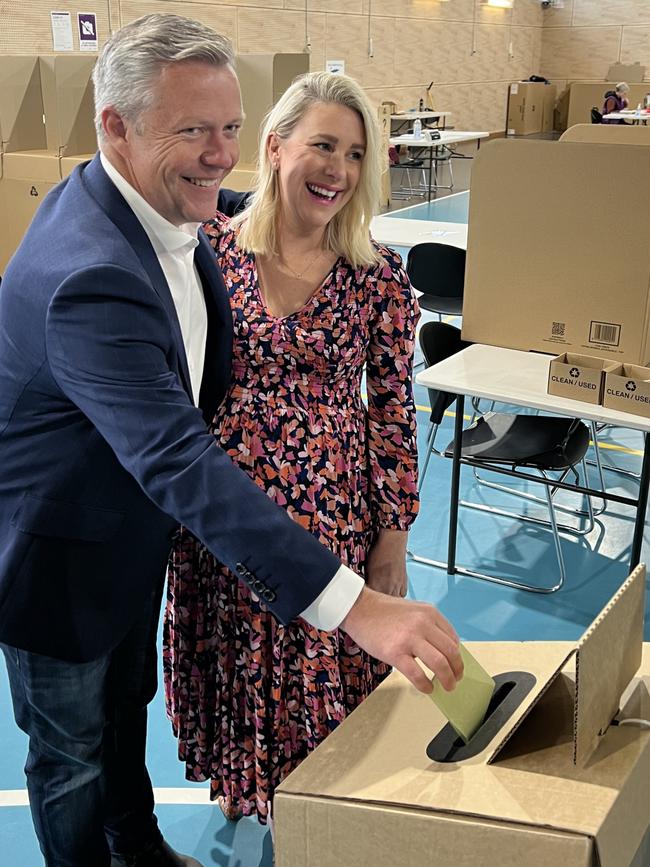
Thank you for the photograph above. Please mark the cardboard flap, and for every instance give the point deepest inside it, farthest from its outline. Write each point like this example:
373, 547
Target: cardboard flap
21, 104
68, 104
607, 658
603, 133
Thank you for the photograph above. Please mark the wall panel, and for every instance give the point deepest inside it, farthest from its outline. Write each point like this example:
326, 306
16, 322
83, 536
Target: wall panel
579, 52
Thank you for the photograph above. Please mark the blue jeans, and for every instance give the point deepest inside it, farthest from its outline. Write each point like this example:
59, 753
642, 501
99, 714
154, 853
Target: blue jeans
89, 790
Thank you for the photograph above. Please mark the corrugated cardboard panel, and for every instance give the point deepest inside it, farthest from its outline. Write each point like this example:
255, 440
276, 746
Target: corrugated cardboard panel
263, 79
19, 200
315, 833
608, 133
584, 95
68, 103
542, 220
21, 104
608, 656
32, 166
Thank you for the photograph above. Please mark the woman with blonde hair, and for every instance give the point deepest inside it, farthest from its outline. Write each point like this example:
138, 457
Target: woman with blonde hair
314, 300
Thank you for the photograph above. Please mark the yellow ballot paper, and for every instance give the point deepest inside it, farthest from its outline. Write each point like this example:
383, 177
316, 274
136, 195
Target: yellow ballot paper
466, 705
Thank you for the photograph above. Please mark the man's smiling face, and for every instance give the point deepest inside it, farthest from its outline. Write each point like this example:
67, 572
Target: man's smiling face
180, 149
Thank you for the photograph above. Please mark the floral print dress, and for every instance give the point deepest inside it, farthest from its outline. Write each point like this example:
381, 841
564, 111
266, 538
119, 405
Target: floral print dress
249, 698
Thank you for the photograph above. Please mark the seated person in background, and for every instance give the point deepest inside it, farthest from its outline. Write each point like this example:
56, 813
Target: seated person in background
313, 301
616, 100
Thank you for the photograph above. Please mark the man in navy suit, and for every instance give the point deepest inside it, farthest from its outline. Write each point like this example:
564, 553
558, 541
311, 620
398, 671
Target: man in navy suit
115, 336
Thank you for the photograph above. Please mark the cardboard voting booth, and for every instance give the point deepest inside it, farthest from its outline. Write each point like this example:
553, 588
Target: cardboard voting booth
530, 107
557, 254
263, 79
547, 780
584, 95
46, 115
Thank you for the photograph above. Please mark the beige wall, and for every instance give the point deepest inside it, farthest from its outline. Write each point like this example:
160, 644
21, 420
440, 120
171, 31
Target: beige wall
462, 45
471, 51
583, 39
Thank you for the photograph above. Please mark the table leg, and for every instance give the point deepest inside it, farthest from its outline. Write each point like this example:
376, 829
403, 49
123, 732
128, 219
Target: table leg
642, 503
455, 486
430, 172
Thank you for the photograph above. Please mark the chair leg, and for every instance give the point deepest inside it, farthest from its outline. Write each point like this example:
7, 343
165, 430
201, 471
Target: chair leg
631, 474
508, 582
532, 498
556, 539
431, 435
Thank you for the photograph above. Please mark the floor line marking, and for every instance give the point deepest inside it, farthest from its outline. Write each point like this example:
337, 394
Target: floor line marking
183, 795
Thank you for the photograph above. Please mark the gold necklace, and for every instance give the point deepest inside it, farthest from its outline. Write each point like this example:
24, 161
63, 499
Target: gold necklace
300, 275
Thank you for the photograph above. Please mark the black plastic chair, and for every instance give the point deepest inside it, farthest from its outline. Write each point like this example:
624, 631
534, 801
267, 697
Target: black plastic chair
438, 271
596, 116
498, 440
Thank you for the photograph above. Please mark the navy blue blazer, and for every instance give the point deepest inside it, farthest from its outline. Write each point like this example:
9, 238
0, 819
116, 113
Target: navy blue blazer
102, 451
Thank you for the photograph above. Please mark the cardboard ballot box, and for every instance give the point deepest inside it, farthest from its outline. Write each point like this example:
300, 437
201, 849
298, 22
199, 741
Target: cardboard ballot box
580, 377
549, 274
546, 781
627, 388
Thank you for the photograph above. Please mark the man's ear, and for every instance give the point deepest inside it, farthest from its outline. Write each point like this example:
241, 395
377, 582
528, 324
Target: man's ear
113, 125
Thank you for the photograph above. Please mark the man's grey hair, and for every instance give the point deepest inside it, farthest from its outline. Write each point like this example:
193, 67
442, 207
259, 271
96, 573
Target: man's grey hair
131, 61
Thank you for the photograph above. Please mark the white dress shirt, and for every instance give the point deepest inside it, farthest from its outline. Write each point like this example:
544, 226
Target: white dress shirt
174, 246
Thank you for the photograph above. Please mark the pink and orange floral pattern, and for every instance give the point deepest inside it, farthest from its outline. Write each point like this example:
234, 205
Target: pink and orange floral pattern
248, 697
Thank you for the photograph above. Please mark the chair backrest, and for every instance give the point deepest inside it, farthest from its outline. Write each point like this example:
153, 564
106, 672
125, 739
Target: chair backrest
437, 269
439, 340
596, 116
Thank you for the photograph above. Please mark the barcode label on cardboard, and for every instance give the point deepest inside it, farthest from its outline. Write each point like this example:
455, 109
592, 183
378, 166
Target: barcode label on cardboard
558, 329
605, 332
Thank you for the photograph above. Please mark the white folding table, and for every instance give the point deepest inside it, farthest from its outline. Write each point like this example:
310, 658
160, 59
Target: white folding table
515, 377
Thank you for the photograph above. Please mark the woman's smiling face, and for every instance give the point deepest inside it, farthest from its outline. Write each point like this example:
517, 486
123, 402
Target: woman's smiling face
318, 164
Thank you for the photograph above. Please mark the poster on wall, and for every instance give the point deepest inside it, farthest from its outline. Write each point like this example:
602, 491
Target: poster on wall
61, 31
87, 22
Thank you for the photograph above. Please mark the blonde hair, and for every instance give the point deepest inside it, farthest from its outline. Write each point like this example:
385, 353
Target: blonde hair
348, 233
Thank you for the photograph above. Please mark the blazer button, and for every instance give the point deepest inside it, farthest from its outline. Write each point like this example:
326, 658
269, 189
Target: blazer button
241, 569
269, 595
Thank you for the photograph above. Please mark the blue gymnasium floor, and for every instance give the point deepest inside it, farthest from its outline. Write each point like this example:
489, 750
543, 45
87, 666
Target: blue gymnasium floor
596, 566
448, 209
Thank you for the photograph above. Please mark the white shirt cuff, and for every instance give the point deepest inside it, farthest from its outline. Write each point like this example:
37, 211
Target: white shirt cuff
329, 609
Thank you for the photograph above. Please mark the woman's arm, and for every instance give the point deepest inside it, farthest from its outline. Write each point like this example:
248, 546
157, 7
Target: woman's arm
392, 427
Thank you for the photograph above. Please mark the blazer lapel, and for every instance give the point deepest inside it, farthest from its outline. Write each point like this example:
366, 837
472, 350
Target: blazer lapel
218, 350
104, 191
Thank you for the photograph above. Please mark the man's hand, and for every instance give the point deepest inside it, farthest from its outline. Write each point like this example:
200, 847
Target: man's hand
385, 568
398, 630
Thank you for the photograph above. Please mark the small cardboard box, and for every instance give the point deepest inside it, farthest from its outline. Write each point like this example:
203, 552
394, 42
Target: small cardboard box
579, 377
553, 784
627, 388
